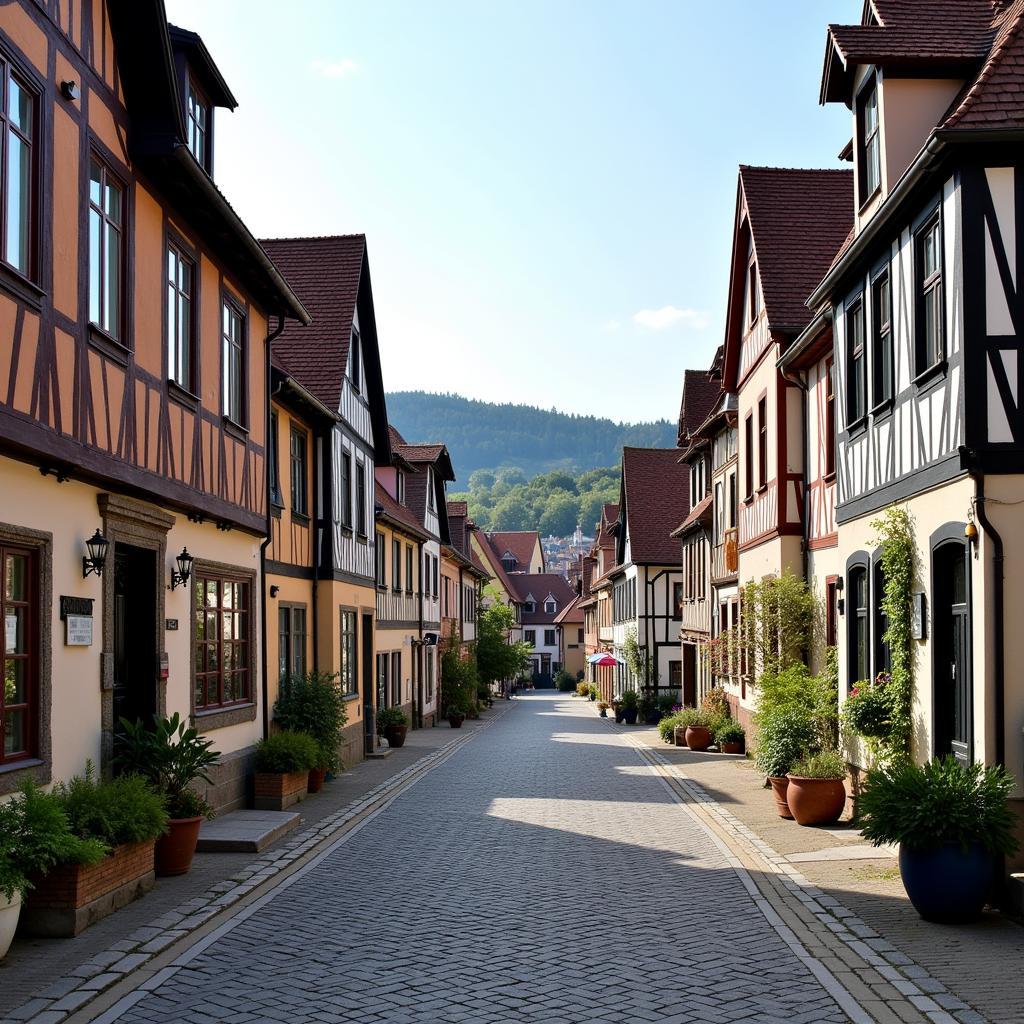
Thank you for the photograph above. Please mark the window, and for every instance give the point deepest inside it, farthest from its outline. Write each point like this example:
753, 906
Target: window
408, 568
530, 636
198, 117
223, 623
346, 489
361, 498
881, 340
396, 677
831, 610
860, 646
856, 395
349, 679
437, 565
830, 420
400, 486
180, 327
355, 369
762, 442
752, 298
19, 604
396, 565
869, 143
748, 457
731, 484
18, 174
430, 676
508, 562
233, 362
298, 472
276, 498
549, 638
106, 248
291, 640
382, 579
550, 607
677, 588
930, 333
883, 660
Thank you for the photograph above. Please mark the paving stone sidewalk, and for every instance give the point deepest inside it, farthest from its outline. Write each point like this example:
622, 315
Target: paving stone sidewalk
45, 979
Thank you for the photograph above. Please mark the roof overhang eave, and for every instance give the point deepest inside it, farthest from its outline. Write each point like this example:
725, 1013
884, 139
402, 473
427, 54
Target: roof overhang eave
805, 341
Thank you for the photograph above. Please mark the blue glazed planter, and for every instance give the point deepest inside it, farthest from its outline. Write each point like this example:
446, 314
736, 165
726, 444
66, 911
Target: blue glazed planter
630, 716
947, 884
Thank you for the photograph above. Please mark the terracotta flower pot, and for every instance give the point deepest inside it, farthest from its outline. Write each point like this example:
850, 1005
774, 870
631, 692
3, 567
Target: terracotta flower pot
175, 849
395, 735
316, 779
10, 911
456, 720
276, 791
698, 737
731, 748
815, 801
780, 784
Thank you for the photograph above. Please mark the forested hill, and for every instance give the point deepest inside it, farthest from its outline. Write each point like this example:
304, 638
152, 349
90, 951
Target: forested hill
484, 435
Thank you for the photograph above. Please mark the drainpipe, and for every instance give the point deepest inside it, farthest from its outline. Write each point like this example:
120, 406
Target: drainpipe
999, 683
270, 522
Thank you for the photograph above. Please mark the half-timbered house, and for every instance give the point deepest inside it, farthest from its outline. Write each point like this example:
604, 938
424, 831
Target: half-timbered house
469, 577
135, 316
323, 555
542, 597
928, 312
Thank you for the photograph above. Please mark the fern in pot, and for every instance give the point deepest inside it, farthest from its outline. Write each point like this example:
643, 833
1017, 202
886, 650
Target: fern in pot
951, 821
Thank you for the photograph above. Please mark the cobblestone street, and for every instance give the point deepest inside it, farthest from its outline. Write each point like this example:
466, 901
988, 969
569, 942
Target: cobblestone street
544, 872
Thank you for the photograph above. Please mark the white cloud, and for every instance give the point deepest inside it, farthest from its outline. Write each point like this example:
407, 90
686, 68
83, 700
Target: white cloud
670, 316
335, 68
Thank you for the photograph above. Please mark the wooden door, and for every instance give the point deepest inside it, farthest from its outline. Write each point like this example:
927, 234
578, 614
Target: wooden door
135, 656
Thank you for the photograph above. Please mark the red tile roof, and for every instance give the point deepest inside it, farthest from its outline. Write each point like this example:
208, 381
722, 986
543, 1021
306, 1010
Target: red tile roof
325, 273
571, 613
397, 513
700, 392
520, 544
656, 491
540, 585
798, 219
493, 564
700, 511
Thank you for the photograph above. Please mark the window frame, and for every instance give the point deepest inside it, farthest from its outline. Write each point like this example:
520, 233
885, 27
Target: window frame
858, 618
299, 508
882, 369
206, 573
762, 442
361, 520
346, 489
196, 92
935, 283
396, 565
409, 567
854, 314
355, 364
119, 335
831, 440
348, 660
29, 84
31, 656
380, 559
868, 145
276, 497
231, 306
748, 461
286, 639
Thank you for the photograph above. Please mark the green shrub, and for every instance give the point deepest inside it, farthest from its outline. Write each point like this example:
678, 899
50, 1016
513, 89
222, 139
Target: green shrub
124, 810
716, 702
287, 752
667, 726
35, 835
868, 709
729, 731
389, 717
826, 764
593, 692
943, 801
815, 696
314, 704
666, 703
630, 700
565, 681
582, 689
459, 681
785, 734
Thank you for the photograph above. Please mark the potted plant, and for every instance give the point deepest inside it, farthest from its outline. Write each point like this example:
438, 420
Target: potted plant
816, 794
582, 689
785, 734
730, 736
314, 704
603, 708
282, 769
668, 725
648, 708
951, 820
35, 835
392, 724
122, 818
695, 724
630, 706
456, 713
172, 758
618, 709
592, 691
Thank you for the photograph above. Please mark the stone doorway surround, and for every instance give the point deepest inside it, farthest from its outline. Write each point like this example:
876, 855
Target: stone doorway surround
129, 521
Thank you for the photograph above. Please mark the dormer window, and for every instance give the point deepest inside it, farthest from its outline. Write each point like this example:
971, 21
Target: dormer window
550, 607
400, 486
531, 607
198, 116
355, 366
508, 562
869, 142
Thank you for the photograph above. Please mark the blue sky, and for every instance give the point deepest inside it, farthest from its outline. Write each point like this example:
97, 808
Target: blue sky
547, 188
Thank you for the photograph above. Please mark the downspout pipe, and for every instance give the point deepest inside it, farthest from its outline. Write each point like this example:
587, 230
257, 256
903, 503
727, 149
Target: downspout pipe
270, 524
998, 587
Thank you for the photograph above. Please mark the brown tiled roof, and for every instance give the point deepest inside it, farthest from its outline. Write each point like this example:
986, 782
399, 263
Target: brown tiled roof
325, 273
700, 392
458, 508
571, 613
397, 513
700, 511
540, 584
520, 543
494, 564
656, 490
798, 219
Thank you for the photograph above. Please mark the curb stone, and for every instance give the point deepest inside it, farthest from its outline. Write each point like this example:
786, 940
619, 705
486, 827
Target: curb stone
92, 978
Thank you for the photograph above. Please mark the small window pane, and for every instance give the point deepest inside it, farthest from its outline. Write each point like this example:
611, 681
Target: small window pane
15, 690
19, 188
14, 732
16, 578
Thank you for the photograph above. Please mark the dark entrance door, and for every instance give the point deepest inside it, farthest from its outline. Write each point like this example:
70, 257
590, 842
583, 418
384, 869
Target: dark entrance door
135, 604
683, 675
951, 632
367, 660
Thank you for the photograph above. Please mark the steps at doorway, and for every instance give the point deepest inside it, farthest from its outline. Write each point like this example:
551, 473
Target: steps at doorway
245, 831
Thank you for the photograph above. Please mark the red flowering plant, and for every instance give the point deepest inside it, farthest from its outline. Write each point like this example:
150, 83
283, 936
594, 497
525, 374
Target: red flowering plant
868, 709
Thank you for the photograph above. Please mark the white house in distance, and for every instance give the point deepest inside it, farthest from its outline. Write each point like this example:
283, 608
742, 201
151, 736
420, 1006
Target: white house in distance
647, 581
542, 596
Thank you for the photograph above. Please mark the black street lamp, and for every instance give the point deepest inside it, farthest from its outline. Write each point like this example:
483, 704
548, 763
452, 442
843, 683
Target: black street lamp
92, 563
184, 571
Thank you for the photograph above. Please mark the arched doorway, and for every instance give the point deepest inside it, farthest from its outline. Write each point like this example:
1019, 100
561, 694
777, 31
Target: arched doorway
951, 659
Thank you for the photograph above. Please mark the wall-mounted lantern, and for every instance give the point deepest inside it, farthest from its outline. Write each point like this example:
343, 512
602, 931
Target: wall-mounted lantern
93, 562
274, 590
183, 573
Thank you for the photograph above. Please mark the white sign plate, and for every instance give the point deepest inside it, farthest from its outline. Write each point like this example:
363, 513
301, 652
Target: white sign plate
78, 631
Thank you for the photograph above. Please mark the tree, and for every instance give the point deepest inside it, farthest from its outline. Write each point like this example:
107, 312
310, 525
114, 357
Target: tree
560, 515
496, 657
481, 479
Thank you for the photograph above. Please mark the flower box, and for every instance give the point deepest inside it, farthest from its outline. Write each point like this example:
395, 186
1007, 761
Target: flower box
70, 897
276, 792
